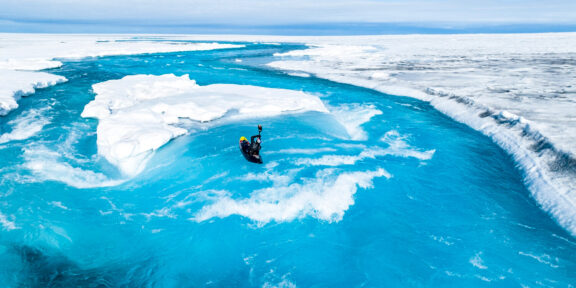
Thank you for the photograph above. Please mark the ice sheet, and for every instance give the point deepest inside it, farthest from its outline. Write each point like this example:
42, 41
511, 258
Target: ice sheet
140, 113
39, 51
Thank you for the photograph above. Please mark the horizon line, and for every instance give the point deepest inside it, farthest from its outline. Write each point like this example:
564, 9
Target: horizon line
300, 29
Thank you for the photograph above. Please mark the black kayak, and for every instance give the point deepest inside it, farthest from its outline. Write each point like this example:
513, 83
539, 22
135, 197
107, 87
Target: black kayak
245, 149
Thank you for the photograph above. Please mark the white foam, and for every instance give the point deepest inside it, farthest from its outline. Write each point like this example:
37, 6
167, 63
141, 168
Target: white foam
396, 147
7, 224
544, 259
283, 283
283, 178
353, 116
58, 204
477, 261
27, 125
140, 113
302, 151
326, 197
47, 165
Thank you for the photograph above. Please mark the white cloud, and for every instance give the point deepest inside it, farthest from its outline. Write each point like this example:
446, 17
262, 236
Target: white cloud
266, 12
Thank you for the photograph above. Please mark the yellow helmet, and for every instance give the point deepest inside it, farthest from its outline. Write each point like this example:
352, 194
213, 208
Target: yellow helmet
243, 139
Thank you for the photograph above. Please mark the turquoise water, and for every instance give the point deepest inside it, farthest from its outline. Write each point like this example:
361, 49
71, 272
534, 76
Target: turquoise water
460, 216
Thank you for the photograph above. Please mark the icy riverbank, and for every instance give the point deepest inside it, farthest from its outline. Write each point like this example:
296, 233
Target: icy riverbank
517, 89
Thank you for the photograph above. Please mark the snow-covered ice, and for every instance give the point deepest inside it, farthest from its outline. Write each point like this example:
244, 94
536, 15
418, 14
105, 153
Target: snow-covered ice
40, 51
15, 84
140, 113
33, 52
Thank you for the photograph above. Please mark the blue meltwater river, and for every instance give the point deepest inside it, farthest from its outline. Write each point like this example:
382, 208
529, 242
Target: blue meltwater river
383, 191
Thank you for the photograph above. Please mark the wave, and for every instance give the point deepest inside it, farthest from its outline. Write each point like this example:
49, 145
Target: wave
325, 197
308, 151
47, 164
25, 126
396, 147
353, 116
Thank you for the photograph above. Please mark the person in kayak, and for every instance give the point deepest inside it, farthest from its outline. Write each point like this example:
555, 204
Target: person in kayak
253, 148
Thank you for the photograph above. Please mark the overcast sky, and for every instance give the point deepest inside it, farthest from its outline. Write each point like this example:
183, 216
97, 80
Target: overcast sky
24, 14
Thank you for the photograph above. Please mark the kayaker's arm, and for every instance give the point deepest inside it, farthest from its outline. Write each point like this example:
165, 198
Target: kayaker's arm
255, 136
